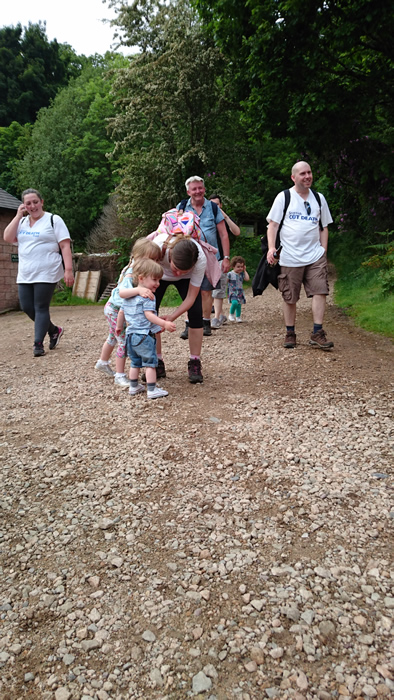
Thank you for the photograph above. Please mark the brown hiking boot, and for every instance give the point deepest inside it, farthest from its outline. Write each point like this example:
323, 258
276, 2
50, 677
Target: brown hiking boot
319, 340
290, 340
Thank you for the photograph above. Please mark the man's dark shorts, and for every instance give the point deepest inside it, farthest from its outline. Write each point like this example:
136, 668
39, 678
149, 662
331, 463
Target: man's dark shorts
314, 277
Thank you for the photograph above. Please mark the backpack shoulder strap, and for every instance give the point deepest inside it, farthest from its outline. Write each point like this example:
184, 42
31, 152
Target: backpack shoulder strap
52, 215
214, 208
285, 208
317, 197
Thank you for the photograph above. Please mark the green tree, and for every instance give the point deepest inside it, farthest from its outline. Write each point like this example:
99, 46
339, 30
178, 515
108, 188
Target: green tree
67, 157
320, 73
175, 115
32, 69
14, 140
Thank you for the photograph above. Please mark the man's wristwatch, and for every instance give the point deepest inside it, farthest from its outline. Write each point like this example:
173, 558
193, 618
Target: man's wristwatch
226, 257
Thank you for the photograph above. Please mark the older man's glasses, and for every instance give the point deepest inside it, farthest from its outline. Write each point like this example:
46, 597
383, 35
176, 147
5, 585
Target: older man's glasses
308, 208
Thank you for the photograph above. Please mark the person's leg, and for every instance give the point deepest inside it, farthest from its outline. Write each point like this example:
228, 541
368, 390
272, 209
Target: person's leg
120, 361
289, 313
43, 293
159, 294
318, 308
218, 295
102, 363
26, 299
233, 307
238, 311
290, 281
195, 340
316, 286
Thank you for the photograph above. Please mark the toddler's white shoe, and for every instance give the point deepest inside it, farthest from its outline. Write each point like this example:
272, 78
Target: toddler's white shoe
104, 367
238, 319
122, 380
231, 317
156, 393
139, 389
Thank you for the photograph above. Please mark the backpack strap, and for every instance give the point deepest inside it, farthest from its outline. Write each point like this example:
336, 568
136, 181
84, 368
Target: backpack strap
285, 208
317, 197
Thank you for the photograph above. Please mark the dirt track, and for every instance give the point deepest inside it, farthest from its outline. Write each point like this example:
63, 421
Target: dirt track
231, 540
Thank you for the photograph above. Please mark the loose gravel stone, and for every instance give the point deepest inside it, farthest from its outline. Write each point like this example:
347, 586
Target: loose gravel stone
234, 541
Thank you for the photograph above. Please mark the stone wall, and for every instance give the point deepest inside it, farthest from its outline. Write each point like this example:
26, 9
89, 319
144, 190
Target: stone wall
8, 266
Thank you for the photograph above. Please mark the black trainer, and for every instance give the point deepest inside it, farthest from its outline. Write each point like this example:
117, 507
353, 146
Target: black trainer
160, 370
185, 333
38, 350
54, 338
207, 327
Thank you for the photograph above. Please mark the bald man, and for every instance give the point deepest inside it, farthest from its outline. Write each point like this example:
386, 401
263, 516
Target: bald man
303, 257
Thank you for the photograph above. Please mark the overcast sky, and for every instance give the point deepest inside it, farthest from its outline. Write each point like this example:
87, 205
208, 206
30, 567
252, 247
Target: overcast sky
75, 22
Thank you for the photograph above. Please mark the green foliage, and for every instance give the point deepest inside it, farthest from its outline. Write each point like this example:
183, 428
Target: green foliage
321, 75
67, 156
364, 292
250, 250
174, 117
383, 260
32, 69
14, 141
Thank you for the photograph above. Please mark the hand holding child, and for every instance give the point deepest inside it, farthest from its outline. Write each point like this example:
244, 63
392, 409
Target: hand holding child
144, 292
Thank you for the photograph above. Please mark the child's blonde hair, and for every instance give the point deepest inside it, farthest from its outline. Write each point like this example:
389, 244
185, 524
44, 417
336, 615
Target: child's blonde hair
142, 248
146, 268
235, 260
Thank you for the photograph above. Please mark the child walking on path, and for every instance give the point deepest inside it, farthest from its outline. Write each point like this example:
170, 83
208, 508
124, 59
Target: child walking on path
112, 310
236, 295
142, 324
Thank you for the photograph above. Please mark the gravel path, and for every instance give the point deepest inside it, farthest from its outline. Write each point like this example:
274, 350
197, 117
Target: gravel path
233, 540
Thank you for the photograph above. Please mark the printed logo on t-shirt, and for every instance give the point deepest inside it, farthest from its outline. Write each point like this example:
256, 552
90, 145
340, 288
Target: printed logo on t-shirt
29, 233
299, 216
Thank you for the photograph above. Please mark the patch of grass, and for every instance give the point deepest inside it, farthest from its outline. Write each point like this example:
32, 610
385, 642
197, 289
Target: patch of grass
171, 297
359, 292
64, 297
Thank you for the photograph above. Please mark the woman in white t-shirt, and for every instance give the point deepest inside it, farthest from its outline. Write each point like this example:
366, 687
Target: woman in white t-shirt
43, 244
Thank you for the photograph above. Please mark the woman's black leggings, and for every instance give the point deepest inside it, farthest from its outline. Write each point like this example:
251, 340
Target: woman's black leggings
34, 300
195, 312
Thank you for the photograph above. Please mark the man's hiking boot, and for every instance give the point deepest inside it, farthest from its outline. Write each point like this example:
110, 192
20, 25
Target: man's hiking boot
290, 340
319, 340
194, 371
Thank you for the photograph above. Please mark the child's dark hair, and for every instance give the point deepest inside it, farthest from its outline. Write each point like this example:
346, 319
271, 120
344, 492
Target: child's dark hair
146, 268
235, 260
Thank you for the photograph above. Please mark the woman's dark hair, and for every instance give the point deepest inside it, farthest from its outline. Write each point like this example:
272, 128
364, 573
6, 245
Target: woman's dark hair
30, 190
184, 253
215, 196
